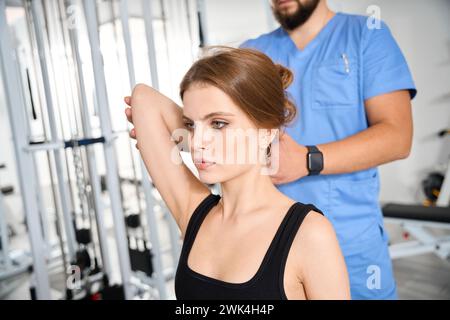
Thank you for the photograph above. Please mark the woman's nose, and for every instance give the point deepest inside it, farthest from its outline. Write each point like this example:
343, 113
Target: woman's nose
199, 139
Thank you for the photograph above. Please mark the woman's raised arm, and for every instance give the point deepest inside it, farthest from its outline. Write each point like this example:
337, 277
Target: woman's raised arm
155, 118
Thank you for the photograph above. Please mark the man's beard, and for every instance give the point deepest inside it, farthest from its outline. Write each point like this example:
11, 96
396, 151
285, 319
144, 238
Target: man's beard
299, 17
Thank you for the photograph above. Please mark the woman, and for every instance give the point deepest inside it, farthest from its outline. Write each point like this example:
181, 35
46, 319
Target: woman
252, 242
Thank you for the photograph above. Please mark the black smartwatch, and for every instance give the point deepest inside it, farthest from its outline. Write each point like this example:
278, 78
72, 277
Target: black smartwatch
314, 161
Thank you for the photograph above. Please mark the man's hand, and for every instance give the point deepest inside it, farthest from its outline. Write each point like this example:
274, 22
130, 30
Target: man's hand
129, 115
291, 160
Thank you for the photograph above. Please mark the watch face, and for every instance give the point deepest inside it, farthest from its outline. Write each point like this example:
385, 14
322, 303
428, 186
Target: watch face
309, 161
315, 162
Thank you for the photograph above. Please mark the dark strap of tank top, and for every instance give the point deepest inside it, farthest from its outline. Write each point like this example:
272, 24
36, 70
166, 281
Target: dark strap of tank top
197, 218
290, 230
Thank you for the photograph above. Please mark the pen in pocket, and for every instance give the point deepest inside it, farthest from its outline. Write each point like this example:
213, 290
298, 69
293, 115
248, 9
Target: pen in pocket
347, 65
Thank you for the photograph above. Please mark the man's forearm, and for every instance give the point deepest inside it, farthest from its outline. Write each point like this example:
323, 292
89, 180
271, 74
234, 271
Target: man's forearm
379, 144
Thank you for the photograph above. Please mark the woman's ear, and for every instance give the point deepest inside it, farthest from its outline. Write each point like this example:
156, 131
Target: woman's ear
267, 137
269, 156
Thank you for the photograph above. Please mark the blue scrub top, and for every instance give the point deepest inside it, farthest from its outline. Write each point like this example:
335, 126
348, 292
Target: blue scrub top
345, 64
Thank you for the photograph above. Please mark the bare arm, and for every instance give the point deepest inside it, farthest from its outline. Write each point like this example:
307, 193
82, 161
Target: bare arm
155, 117
321, 265
388, 138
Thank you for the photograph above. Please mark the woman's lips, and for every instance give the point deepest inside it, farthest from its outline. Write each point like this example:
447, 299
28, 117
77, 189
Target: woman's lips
202, 164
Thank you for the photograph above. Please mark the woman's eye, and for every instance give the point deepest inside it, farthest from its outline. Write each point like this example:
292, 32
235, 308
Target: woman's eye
189, 125
218, 124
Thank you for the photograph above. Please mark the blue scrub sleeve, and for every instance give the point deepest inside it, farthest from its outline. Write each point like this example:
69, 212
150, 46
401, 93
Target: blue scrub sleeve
384, 66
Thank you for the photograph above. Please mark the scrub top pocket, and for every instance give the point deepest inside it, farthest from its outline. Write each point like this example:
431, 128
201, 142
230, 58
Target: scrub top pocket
335, 84
354, 208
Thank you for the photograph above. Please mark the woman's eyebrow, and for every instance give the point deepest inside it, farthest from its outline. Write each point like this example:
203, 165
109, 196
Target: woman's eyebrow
210, 115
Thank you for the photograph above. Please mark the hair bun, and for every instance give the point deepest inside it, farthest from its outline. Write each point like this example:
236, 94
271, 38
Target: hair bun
286, 75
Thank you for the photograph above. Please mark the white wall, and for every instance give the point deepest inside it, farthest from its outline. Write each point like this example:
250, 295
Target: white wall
422, 29
233, 21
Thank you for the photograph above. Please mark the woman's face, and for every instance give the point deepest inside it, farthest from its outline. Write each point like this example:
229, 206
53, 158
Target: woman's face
223, 141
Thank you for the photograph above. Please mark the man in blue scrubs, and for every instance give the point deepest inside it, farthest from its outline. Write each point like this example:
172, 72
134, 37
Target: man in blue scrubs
353, 91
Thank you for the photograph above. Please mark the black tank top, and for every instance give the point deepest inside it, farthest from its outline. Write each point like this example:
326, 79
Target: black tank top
267, 283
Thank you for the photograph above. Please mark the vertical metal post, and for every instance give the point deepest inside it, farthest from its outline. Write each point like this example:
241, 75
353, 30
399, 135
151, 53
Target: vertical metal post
124, 19
201, 7
59, 222
151, 51
192, 21
123, 9
151, 220
150, 201
4, 250
39, 197
112, 179
16, 104
37, 14
173, 27
90, 152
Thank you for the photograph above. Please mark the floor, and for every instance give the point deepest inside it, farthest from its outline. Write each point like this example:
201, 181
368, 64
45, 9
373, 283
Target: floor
423, 276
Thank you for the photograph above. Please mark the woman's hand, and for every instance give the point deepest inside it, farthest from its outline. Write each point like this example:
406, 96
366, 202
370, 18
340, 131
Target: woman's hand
178, 186
129, 115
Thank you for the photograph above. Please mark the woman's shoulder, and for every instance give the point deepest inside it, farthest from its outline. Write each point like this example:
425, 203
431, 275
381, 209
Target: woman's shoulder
315, 234
318, 260
315, 226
